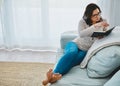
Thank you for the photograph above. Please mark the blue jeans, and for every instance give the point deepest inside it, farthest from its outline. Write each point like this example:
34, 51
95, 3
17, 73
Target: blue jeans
72, 57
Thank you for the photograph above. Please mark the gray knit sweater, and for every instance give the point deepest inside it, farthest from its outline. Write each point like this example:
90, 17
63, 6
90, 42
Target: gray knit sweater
84, 40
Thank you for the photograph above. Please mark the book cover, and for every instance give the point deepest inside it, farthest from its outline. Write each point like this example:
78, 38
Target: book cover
104, 33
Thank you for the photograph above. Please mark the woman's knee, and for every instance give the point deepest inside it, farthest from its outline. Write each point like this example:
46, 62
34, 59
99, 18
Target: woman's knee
71, 47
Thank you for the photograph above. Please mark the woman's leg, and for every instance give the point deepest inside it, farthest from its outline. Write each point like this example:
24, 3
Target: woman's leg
65, 63
80, 56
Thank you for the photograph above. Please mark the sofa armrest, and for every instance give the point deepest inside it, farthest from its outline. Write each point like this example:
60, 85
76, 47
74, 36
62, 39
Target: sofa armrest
114, 81
66, 37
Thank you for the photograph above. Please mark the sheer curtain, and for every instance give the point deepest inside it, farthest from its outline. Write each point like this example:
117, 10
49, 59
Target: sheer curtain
38, 24
111, 11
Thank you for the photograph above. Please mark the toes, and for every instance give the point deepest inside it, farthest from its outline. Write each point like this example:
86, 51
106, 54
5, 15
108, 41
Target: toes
49, 74
44, 82
50, 70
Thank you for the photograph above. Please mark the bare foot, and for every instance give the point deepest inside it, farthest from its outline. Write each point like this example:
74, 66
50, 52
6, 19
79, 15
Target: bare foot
55, 77
49, 76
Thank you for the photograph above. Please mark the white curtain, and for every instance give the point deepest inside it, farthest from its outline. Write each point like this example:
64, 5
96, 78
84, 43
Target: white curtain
110, 10
38, 24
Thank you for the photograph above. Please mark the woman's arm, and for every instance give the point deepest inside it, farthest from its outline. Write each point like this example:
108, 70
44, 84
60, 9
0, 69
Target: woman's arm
86, 31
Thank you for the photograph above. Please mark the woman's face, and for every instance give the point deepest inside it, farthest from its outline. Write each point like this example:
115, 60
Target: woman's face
95, 16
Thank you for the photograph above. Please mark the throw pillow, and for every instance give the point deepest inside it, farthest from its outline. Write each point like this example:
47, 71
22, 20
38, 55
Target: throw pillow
104, 62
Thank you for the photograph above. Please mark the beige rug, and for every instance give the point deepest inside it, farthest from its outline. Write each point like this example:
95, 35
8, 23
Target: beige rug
22, 74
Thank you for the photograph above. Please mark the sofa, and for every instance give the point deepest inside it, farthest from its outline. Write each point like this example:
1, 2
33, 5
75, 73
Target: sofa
97, 72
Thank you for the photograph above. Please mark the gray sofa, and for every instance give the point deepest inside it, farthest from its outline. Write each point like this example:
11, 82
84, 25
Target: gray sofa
78, 76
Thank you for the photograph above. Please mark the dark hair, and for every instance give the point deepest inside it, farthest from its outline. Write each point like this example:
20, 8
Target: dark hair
88, 13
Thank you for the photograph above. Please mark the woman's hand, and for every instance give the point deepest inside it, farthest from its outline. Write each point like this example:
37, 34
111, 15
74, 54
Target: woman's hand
103, 24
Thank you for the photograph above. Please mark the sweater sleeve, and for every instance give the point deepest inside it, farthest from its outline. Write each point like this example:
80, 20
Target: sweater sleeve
85, 30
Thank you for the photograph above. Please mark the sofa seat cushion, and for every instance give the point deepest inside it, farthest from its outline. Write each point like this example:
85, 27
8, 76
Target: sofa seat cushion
79, 77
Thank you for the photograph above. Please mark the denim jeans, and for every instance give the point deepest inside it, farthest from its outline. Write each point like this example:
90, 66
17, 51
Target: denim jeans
72, 56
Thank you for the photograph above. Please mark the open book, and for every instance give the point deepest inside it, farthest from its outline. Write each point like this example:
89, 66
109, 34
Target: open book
102, 33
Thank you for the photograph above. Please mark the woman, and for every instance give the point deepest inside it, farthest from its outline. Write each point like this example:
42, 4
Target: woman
76, 50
